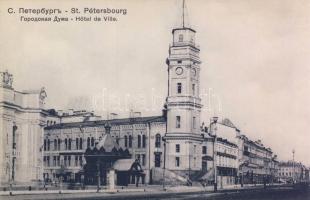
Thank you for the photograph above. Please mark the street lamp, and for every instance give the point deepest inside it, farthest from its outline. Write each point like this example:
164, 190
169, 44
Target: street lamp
214, 121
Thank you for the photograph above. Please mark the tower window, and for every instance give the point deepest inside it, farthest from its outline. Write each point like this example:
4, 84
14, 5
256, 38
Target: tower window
194, 122
181, 38
177, 148
178, 122
193, 89
126, 141
204, 150
177, 161
139, 141
179, 88
130, 141
179, 61
157, 140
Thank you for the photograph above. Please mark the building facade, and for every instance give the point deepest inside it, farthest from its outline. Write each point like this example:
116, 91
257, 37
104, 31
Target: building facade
292, 171
66, 143
255, 161
22, 119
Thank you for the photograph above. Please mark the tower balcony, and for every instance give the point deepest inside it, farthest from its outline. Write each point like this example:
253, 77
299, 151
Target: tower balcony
185, 43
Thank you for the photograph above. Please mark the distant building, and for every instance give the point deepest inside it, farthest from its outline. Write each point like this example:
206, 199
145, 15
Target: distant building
22, 119
292, 171
255, 161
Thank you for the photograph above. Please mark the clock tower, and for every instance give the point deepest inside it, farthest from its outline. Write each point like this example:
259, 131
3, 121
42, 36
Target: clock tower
183, 137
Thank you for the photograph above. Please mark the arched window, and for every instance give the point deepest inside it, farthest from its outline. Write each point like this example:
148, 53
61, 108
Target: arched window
48, 144
55, 144
77, 143
88, 142
157, 140
66, 144
130, 141
92, 141
59, 143
81, 143
125, 141
44, 145
143, 141
70, 142
139, 141
181, 38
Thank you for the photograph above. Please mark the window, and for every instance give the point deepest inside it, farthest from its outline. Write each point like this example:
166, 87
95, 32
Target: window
76, 160
59, 143
139, 141
157, 159
125, 141
69, 160
55, 144
81, 143
157, 140
143, 141
204, 150
117, 140
44, 145
58, 160
77, 143
48, 160
54, 160
65, 160
81, 161
194, 122
130, 141
92, 141
178, 122
179, 88
193, 89
179, 61
143, 159
88, 142
177, 148
177, 161
69, 145
48, 144
66, 144
181, 38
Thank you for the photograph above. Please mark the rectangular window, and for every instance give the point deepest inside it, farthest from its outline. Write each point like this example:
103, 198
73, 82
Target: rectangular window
143, 159
48, 161
177, 161
178, 122
58, 160
76, 160
179, 88
54, 161
69, 160
177, 148
193, 89
157, 159
194, 122
204, 150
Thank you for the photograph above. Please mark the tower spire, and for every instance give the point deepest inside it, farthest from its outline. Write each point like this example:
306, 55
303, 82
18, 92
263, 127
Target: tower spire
183, 7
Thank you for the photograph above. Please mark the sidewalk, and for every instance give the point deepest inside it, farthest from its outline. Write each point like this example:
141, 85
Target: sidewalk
148, 189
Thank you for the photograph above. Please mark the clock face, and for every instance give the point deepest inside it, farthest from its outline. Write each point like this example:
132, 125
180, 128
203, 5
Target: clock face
193, 72
179, 70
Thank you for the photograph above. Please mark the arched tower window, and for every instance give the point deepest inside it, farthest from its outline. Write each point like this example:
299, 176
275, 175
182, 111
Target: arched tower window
157, 140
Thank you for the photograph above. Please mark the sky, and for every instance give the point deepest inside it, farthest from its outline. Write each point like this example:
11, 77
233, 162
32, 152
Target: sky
255, 61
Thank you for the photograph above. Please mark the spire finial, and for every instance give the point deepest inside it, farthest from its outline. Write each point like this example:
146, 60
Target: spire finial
183, 7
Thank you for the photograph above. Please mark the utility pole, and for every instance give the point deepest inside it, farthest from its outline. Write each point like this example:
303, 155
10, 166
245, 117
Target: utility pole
214, 121
183, 5
293, 165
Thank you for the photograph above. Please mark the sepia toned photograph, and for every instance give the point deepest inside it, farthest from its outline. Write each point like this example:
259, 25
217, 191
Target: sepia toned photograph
154, 99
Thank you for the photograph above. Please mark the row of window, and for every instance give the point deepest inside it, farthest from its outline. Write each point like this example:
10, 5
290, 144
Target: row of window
179, 88
178, 122
68, 143
55, 161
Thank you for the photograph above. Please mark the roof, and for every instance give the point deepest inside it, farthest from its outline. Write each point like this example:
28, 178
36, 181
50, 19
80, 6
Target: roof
123, 121
108, 143
123, 164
